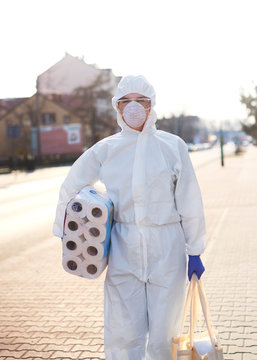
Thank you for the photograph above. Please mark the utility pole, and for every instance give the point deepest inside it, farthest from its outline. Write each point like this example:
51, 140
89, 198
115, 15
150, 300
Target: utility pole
176, 127
38, 124
221, 146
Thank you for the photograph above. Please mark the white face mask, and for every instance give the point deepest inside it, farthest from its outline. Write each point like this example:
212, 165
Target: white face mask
134, 114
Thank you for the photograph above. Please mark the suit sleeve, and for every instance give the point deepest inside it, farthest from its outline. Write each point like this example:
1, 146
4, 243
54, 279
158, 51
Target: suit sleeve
189, 204
84, 171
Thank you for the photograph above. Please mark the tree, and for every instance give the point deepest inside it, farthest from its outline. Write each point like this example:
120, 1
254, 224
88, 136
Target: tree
189, 128
93, 105
249, 125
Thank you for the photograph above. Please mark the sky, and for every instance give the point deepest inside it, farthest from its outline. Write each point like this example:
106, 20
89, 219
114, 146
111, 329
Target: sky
198, 54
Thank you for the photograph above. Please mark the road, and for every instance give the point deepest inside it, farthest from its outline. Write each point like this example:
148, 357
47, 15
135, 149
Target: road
28, 203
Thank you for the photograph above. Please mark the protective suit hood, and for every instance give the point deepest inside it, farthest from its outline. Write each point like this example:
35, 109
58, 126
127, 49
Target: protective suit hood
135, 84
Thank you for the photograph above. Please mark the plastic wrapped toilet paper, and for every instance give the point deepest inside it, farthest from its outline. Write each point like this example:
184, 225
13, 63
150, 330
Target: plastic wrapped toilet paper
86, 243
73, 246
92, 269
73, 264
73, 226
94, 232
92, 250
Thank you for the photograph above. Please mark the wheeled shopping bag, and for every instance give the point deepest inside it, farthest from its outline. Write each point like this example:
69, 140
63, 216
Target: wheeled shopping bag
187, 347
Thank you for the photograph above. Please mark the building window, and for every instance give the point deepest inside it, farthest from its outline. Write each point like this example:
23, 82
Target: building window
66, 119
48, 119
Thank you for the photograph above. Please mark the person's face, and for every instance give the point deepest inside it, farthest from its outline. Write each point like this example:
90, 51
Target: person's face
142, 100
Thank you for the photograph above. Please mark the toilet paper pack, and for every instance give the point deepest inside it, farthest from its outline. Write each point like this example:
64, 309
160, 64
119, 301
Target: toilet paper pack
86, 242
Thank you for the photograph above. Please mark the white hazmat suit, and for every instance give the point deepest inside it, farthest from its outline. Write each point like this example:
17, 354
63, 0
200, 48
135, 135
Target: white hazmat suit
158, 219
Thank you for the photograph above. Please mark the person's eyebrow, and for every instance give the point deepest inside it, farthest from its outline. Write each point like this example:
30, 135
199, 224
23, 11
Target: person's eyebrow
126, 98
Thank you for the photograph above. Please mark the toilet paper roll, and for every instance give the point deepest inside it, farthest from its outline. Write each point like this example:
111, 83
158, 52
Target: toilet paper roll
73, 264
97, 213
73, 226
94, 232
77, 207
93, 269
73, 246
92, 250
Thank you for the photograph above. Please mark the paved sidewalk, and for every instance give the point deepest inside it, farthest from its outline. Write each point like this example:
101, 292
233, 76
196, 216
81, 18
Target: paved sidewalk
46, 313
231, 255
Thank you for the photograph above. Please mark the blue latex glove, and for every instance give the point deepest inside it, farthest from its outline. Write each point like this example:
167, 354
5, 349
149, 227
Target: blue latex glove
195, 265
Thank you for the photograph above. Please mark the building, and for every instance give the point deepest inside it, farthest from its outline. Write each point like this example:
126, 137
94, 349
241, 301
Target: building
71, 73
19, 126
87, 91
68, 93
190, 128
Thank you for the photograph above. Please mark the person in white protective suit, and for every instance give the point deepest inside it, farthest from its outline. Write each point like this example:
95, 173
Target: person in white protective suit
158, 221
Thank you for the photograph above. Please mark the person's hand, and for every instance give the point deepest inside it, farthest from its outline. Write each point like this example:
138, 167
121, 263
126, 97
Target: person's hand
195, 265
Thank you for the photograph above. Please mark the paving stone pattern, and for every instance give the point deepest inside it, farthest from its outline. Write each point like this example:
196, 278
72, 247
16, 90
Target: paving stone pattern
46, 313
231, 256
